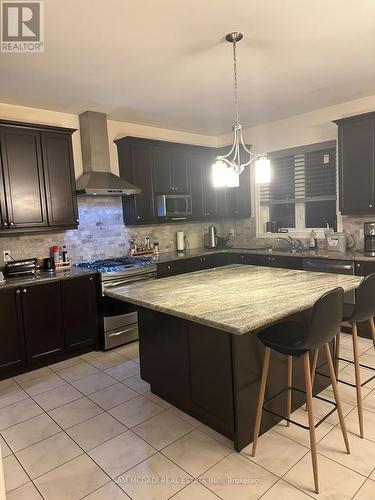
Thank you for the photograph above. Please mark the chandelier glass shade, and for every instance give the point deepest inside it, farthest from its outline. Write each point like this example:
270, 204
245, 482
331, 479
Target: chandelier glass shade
227, 168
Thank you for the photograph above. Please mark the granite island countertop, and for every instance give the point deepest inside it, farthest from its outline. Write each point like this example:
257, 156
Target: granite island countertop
236, 298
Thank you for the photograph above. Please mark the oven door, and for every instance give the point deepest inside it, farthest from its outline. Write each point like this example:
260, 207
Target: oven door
120, 319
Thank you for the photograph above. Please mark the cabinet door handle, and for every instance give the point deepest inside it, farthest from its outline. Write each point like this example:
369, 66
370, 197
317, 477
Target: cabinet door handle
5, 224
24, 290
91, 278
168, 267
11, 223
370, 205
18, 292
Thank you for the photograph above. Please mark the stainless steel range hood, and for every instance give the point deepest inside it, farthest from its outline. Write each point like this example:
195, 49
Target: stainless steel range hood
97, 178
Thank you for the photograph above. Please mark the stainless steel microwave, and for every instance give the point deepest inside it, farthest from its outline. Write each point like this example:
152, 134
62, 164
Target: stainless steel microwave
173, 206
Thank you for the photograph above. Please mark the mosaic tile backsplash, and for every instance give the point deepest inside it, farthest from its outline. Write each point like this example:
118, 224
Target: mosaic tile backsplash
102, 233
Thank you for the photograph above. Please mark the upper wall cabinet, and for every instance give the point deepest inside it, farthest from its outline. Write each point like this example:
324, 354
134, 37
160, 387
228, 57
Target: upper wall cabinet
169, 168
37, 184
356, 143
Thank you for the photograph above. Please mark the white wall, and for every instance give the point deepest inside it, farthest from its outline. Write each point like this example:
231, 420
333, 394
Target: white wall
307, 128
116, 130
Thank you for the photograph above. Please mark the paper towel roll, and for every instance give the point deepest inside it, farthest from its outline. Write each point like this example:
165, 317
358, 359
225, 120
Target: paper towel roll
180, 241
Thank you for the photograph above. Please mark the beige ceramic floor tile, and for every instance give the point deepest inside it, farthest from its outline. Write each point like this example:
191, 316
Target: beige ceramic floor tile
103, 359
10, 393
5, 450
335, 480
121, 453
14, 474
368, 359
30, 432
57, 397
284, 491
109, 491
362, 451
368, 401
179, 413
67, 363
73, 480
18, 412
78, 371
196, 452
48, 454
299, 434
347, 394
25, 492
161, 402
164, 479
135, 411
95, 431
113, 396
368, 423
94, 383
239, 478
42, 384
321, 408
123, 371
129, 350
137, 384
195, 491
367, 491
162, 430
75, 412
33, 375
276, 453
216, 435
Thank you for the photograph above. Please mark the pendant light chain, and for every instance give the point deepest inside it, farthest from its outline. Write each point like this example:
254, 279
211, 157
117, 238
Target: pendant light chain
236, 106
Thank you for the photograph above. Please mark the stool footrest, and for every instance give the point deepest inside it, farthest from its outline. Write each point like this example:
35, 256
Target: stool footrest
349, 383
307, 427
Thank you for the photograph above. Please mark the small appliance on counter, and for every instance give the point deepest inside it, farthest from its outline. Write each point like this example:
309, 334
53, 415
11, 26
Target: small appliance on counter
338, 242
180, 239
210, 238
24, 267
369, 234
2, 279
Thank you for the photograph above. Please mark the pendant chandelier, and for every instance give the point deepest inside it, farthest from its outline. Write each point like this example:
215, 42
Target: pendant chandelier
227, 168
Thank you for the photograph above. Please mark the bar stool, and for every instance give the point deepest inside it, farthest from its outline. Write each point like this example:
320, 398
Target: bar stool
362, 310
295, 339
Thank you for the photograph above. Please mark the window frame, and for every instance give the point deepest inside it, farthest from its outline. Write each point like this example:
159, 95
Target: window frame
262, 211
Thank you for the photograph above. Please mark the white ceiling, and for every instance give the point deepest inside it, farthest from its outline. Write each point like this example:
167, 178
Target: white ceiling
164, 62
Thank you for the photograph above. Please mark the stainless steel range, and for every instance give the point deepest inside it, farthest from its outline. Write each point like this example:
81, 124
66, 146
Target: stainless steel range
119, 319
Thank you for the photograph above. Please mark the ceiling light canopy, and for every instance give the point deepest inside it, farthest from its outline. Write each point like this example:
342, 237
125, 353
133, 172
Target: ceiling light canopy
227, 168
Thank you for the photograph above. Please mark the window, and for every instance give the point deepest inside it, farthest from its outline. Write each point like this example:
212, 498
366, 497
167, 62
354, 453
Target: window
302, 191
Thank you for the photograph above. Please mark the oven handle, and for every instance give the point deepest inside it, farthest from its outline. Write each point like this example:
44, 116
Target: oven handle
128, 281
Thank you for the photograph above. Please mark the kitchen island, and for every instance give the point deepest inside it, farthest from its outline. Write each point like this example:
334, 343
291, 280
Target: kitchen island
198, 347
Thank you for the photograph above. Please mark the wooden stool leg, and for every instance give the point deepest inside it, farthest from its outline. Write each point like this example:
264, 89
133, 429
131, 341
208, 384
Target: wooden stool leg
314, 457
337, 354
289, 394
357, 377
313, 369
372, 329
337, 397
262, 390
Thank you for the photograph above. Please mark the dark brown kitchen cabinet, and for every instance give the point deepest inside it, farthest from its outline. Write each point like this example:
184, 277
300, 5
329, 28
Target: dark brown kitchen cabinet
12, 352
59, 178
43, 321
356, 147
170, 171
136, 166
79, 304
196, 160
25, 194
37, 190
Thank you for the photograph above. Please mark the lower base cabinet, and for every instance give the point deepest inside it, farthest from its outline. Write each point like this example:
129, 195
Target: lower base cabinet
45, 322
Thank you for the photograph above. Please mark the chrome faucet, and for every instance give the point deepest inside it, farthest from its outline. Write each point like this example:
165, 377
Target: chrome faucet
295, 244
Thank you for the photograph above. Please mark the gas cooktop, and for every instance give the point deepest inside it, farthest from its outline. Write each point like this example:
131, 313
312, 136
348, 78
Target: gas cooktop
118, 264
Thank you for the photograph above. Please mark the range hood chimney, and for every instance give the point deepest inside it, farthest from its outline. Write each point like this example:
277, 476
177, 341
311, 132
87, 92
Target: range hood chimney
97, 178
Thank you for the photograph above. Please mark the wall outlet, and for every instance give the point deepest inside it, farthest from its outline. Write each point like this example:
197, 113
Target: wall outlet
6, 256
231, 232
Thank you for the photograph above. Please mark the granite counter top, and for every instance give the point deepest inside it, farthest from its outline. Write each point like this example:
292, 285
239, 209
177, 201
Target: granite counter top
354, 255
43, 276
237, 299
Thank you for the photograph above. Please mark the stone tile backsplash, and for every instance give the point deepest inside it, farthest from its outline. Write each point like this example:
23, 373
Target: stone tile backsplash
102, 234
